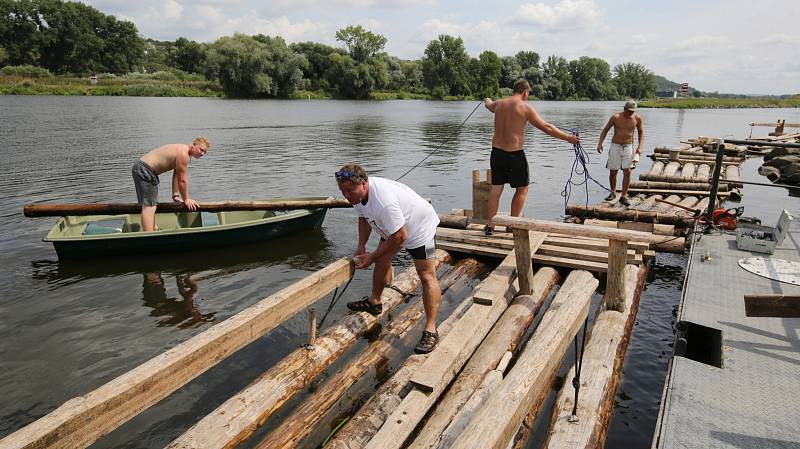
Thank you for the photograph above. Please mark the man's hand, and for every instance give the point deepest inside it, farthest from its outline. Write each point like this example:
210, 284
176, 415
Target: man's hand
176, 198
360, 250
487, 101
600, 147
573, 139
639, 150
364, 260
191, 204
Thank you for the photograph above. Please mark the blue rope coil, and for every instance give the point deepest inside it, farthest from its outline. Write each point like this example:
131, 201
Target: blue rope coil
580, 169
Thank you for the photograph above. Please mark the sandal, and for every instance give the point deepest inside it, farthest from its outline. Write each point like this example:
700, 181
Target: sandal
365, 306
611, 196
427, 342
488, 230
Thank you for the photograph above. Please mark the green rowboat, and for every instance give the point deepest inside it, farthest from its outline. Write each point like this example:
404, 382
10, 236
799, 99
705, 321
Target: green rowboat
112, 235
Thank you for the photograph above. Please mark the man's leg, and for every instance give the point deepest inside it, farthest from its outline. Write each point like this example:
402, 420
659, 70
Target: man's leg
494, 202
518, 202
381, 276
148, 217
431, 291
626, 180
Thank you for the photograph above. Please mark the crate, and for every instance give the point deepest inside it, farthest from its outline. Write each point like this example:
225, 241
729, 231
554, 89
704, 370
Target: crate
762, 239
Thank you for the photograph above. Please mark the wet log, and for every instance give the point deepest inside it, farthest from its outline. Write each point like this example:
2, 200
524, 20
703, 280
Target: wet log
657, 168
81, 421
505, 336
703, 171
600, 374
578, 210
301, 422
246, 411
732, 173
671, 168
688, 169
723, 186
49, 210
494, 425
662, 178
454, 221
370, 417
704, 158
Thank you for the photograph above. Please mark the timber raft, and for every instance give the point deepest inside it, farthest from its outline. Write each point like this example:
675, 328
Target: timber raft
486, 381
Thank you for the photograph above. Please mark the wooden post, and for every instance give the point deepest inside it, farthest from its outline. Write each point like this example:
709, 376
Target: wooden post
522, 249
312, 326
480, 195
615, 284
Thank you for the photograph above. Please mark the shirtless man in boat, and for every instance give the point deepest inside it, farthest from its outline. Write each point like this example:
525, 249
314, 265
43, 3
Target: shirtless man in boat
403, 219
621, 154
174, 156
508, 162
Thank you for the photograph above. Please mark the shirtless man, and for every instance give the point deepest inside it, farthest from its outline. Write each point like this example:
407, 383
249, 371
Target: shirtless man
508, 162
174, 156
621, 153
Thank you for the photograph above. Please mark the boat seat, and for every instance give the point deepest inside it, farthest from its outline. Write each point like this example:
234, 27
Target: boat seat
101, 227
209, 219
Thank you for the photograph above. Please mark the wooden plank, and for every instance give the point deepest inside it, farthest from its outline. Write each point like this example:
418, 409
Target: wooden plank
540, 259
571, 229
601, 371
498, 419
777, 306
82, 420
506, 335
522, 250
505, 239
243, 413
505, 273
615, 285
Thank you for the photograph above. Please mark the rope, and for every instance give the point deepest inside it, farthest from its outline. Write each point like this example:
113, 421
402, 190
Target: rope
579, 168
335, 298
576, 381
440, 145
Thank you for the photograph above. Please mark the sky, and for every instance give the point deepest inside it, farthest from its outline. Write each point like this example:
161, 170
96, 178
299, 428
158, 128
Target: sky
732, 46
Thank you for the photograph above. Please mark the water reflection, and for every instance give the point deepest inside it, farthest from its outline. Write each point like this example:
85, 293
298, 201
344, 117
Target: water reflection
361, 138
173, 311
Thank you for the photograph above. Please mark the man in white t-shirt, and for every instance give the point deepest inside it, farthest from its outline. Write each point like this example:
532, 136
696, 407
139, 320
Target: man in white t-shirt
403, 219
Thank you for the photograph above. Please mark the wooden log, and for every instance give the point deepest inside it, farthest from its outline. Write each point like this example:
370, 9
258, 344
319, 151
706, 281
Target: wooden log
304, 418
578, 210
662, 178
776, 306
684, 207
361, 427
671, 168
49, 210
495, 423
763, 143
615, 285
601, 371
648, 203
678, 192
732, 173
312, 326
655, 228
246, 411
703, 171
81, 421
723, 186
555, 238
480, 195
668, 244
694, 157
657, 168
454, 221
522, 251
688, 170
532, 224
506, 335
665, 205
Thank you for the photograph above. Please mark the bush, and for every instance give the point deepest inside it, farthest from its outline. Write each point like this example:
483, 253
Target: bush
26, 71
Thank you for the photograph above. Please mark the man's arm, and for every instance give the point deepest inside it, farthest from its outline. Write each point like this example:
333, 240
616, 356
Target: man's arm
490, 105
536, 120
176, 193
364, 231
640, 129
390, 246
604, 133
181, 173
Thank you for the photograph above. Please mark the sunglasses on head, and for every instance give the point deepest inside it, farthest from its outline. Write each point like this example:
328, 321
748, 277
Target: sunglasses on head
345, 174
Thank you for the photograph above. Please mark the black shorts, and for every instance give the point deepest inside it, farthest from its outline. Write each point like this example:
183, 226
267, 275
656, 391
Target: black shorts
509, 167
423, 252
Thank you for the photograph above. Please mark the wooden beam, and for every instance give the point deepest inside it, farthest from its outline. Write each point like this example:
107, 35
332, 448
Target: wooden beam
243, 413
497, 420
506, 335
676, 192
578, 210
522, 250
777, 306
538, 259
505, 273
572, 229
615, 285
501, 239
82, 420
601, 372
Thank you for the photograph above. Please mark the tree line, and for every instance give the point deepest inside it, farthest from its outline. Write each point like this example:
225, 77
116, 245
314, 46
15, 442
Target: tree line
73, 38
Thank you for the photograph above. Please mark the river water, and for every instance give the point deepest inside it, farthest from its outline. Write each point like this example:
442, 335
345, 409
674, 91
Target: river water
67, 328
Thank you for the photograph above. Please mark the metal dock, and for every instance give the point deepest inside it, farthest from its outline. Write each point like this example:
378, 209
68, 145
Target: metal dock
734, 381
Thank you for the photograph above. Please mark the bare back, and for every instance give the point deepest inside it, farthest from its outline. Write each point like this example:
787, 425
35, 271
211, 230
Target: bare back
511, 115
163, 158
623, 127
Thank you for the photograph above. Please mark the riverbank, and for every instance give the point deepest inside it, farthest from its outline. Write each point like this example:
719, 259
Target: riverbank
720, 103
108, 86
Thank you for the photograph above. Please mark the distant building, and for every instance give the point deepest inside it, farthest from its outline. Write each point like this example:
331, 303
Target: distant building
667, 94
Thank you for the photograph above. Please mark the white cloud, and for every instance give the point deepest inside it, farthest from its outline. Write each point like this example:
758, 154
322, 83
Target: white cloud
567, 14
780, 39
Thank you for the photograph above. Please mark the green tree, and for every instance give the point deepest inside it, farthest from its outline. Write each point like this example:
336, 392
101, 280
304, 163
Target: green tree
445, 67
315, 74
510, 71
188, 56
528, 59
362, 45
254, 66
403, 75
486, 74
592, 78
19, 31
556, 79
634, 80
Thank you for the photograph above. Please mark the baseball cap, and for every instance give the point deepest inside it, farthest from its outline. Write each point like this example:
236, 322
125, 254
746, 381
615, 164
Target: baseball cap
630, 105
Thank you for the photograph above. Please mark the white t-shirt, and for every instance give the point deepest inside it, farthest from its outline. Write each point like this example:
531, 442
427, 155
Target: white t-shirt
392, 205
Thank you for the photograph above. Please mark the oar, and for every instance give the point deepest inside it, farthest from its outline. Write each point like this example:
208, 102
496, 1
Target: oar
49, 210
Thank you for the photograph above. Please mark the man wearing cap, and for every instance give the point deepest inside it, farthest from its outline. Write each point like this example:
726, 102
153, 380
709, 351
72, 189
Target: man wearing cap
403, 219
621, 154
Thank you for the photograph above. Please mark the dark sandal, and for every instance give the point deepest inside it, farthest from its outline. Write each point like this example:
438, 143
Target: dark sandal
365, 306
488, 230
427, 342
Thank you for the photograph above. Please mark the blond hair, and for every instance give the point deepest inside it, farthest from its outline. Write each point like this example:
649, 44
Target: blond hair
202, 140
353, 174
521, 86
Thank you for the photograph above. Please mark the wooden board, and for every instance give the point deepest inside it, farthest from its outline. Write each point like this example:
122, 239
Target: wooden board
532, 224
777, 306
540, 259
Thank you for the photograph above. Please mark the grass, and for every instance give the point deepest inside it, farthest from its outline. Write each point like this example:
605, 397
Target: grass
113, 86
721, 103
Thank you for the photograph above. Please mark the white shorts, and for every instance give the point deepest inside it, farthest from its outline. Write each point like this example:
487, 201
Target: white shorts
620, 156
